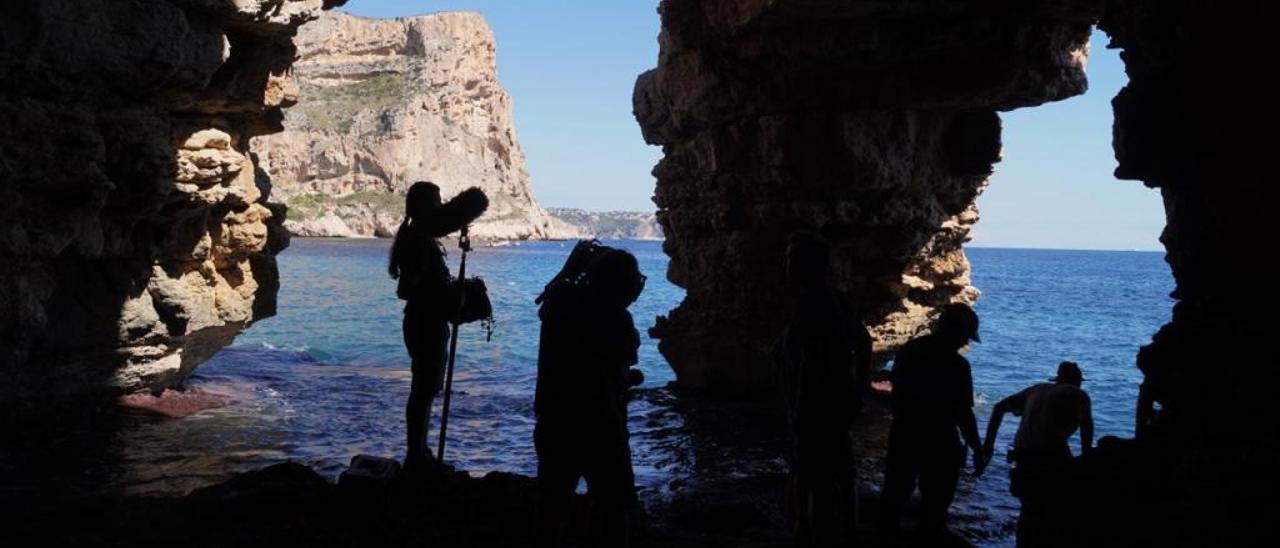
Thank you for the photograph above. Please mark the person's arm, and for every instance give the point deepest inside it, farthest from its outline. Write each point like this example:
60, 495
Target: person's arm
629, 352
969, 428
446, 292
997, 417
969, 423
1146, 411
632, 344
1086, 423
862, 354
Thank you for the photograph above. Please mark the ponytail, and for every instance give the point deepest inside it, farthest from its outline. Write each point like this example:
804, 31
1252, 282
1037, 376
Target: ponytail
397, 250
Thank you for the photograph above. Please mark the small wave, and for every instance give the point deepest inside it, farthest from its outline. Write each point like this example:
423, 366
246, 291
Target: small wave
305, 353
303, 349
315, 355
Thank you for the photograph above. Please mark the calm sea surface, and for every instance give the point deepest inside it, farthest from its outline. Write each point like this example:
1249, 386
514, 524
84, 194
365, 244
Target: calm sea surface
1040, 307
328, 376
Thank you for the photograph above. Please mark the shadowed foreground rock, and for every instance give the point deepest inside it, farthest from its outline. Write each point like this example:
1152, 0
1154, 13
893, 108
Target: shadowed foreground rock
136, 236
1203, 471
730, 492
290, 505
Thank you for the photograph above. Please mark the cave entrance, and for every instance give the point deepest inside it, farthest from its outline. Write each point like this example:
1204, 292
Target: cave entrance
1068, 261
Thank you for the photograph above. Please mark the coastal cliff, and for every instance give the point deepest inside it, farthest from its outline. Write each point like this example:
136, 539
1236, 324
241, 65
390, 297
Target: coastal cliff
136, 236
868, 123
387, 102
611, 225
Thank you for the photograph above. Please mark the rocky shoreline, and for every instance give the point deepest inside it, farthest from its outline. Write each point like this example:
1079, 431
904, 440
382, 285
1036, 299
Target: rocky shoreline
572, 224
729, 487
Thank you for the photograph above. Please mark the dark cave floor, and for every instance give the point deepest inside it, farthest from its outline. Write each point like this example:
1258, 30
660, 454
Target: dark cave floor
721, 502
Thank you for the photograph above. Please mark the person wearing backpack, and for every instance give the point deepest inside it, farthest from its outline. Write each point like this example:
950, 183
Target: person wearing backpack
587, 345
432, 299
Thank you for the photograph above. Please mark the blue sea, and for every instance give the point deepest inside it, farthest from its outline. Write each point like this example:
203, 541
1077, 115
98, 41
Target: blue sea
327, 377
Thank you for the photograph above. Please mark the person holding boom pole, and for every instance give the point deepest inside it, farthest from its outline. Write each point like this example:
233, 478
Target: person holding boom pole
432, 299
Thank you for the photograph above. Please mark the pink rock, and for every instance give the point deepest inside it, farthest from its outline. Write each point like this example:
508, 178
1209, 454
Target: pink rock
172, 403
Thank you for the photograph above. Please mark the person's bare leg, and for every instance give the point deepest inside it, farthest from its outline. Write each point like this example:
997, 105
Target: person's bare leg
417, 418
938, 480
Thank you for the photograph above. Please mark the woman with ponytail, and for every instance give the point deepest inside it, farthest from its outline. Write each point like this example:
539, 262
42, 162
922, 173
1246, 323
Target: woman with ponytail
431, 297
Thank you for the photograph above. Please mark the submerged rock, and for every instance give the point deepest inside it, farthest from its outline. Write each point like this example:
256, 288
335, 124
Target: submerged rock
175, 404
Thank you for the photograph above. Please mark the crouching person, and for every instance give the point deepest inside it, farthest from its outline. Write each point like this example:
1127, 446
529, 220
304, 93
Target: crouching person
588, 343
1042, 463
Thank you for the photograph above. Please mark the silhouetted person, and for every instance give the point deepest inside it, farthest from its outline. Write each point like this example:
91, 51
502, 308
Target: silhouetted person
432, 298
588, 343
1150, 389
1051, 412
932, 408
825, 359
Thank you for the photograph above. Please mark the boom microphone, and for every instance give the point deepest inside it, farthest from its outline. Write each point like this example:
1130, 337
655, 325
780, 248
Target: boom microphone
459, 212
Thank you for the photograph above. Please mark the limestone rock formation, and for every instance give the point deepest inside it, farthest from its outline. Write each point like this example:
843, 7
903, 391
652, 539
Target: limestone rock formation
611, 225
136, 237
390, 102
1194, 122
868, 122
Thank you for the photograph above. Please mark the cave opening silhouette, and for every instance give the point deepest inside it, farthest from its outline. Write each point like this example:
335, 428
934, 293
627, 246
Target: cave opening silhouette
875, 125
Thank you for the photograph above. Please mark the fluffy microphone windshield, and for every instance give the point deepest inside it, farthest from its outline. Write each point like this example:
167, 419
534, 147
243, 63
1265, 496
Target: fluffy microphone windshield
458, 212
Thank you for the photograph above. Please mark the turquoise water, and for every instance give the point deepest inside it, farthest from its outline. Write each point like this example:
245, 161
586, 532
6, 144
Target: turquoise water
327, 377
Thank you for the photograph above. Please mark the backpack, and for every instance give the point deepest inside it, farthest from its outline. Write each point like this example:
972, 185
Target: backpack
575, 275
476, 306
570, 308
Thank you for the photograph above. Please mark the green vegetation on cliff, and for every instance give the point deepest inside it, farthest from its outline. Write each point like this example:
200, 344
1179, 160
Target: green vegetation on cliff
312, 206
334, 108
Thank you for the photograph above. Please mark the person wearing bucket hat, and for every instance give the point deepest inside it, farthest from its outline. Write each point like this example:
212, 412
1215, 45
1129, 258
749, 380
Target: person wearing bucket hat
1051, 413
932, 410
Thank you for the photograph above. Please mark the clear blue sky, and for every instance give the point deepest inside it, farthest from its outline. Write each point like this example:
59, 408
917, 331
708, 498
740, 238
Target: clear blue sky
1055, 187
570, 66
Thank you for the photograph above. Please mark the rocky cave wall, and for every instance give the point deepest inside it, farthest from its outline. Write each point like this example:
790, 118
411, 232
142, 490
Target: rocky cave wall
1194, 122
392, 101
136, 236
872, 123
